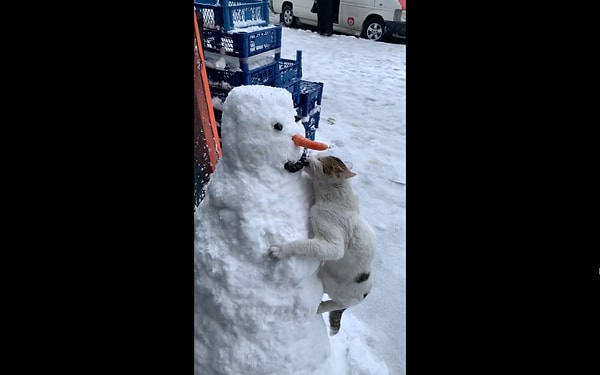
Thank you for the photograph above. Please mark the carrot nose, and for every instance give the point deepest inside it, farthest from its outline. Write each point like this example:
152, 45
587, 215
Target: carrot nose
302, 141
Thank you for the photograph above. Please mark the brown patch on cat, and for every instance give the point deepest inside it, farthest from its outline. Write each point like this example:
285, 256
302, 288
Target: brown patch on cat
333, 166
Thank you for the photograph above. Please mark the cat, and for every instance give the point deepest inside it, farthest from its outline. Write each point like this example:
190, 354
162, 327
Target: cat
342, 238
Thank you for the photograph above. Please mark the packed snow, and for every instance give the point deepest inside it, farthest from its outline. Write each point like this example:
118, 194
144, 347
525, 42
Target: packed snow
256, 315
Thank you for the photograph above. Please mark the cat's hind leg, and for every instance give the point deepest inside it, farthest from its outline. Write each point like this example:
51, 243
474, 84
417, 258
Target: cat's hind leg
335, 321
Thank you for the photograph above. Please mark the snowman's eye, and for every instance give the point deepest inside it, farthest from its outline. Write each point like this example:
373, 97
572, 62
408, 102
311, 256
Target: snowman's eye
278, 126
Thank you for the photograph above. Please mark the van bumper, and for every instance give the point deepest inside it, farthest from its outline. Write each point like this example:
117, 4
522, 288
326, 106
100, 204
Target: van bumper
395, 29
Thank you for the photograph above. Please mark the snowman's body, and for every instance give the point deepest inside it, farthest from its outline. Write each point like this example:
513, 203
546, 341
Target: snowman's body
253, 315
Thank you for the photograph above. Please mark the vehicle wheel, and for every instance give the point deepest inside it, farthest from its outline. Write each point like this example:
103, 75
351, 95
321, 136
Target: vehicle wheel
373, 29
287, 16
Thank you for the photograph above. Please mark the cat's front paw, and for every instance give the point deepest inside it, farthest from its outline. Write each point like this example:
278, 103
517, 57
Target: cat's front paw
276, 252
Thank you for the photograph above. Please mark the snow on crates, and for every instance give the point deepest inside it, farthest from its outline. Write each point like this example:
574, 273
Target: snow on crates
243, 49
231, 14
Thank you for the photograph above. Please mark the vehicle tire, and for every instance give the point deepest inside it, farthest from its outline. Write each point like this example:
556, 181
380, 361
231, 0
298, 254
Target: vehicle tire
287, 16
373, 29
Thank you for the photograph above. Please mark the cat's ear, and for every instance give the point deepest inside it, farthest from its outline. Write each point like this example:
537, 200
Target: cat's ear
348, 164
349, 174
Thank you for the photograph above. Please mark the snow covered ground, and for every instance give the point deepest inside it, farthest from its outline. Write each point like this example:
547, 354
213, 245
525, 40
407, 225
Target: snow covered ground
363, 121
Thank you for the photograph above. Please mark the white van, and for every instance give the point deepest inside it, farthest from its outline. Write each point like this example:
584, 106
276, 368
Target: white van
370, 19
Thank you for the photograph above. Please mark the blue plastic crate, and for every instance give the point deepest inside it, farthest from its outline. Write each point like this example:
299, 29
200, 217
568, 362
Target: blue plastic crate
310, 96
290, 71
310, 135
228, 79
294, 89
311, 124
245, 45
219, 94
232, 14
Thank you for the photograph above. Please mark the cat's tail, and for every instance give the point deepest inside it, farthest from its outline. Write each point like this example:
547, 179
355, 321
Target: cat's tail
335, 321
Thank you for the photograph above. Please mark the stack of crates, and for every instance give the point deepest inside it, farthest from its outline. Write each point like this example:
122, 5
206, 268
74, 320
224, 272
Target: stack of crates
241, 47
309, 106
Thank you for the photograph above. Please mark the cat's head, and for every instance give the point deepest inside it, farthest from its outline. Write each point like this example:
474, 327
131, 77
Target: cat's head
322, 165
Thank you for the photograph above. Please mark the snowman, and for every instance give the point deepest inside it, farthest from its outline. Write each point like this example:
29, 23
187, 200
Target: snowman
253, 315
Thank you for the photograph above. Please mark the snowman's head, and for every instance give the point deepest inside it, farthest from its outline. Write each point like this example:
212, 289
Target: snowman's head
257, 127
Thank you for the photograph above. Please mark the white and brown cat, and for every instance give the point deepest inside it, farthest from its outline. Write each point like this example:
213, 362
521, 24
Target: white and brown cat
342, 238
